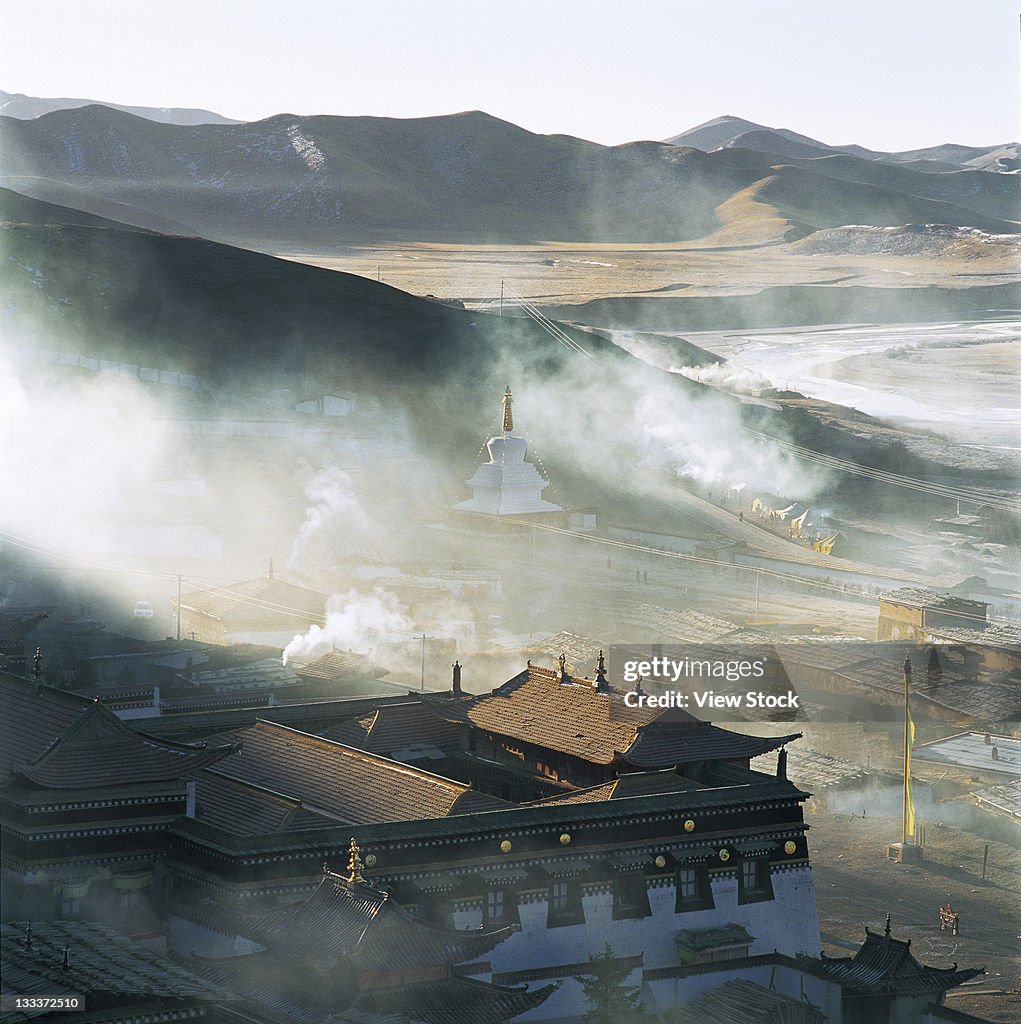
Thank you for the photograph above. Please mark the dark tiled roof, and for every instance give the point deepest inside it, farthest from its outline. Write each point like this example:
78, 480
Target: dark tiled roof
255, 602
743, 1002
396, 726
265, 985
356, 922
454, 1001
343, 782
102, 963
885, 964
58, 741
246, 810
32, 720
13, 630
573, 718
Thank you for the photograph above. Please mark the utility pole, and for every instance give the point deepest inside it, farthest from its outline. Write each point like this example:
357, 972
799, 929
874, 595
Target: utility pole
423, 638
757, 575
178, 606
501, 297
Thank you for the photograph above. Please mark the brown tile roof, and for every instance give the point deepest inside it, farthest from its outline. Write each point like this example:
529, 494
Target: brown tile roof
741, 1001
571, 717
254, 602
341, 665
356, 922
396, 726
630, 784
340, 781
59, 741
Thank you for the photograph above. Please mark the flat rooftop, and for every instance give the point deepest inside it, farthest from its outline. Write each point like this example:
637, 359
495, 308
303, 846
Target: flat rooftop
972, 751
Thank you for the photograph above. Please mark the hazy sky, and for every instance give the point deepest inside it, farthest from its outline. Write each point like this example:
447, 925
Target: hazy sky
889, 74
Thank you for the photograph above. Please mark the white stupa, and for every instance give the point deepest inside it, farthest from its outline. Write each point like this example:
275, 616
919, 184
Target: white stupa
507, 484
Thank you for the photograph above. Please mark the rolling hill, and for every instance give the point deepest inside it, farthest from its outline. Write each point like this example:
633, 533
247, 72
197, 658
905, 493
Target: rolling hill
292, 182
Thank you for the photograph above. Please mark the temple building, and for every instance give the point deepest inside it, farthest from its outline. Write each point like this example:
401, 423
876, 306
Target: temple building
504, 837
507, 485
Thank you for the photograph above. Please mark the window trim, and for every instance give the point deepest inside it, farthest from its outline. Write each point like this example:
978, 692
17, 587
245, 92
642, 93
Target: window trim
763, 890
703, 898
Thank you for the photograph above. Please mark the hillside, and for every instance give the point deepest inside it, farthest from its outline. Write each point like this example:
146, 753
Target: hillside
312, 182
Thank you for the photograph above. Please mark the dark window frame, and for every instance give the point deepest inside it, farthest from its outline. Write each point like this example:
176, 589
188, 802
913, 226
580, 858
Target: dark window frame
631, 896
762, 891
565, 906
702, 898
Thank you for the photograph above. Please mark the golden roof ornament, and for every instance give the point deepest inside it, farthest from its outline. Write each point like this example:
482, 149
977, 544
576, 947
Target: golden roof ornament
508, 416
354, 862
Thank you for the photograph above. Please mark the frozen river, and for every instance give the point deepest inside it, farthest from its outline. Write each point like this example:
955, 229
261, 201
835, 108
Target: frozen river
962, 380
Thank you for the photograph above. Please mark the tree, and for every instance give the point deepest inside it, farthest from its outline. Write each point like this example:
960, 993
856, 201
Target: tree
610, 1000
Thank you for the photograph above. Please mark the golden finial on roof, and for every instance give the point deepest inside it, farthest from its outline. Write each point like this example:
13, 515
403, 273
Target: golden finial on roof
354, 862
508, 416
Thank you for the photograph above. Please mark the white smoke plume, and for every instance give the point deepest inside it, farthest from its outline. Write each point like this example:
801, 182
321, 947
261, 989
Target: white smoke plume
354, 621
334, 505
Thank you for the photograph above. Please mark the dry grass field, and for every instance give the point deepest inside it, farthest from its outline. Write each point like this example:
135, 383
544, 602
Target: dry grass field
572, 273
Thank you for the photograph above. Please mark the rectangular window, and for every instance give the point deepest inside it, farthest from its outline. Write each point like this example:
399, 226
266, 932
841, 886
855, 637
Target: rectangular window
630, 897
565, 905
495, 905
754, 883
694, 891
71, 908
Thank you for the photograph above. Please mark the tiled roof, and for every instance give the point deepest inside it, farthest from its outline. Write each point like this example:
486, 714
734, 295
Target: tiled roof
396, 726
571, 717
341, 665
253, 602
264, 985
246, 810
58, 741
923, 597
343, 782
102, 963
453, 1001
631, 784
32, 720
356, 922
885, 964
13, 630
743, 1002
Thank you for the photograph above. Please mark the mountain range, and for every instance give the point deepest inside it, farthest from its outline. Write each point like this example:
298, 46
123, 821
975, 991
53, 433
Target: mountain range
17, 104
730, 132
294, 182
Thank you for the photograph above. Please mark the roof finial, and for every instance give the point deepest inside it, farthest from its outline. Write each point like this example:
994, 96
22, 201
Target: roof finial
37, 666
354, 862
67, 959
602, 683
562, 662
508, 416
886, 932
28, 935
269, 570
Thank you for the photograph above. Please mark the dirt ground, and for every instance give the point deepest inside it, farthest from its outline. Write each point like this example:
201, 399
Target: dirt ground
856, 887
567, 273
